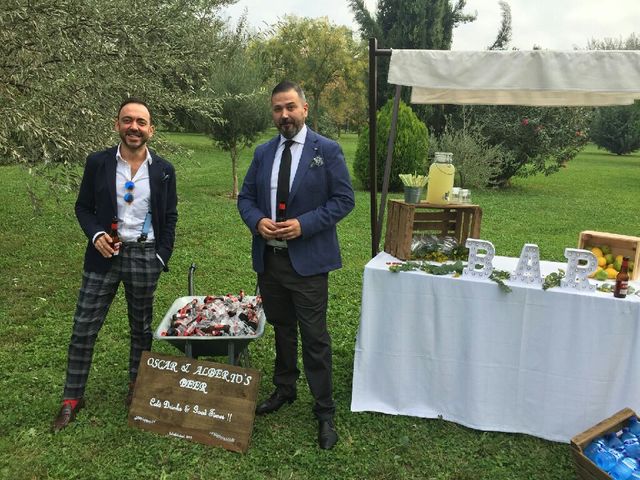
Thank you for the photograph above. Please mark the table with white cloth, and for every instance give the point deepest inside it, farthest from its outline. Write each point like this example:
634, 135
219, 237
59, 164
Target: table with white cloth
546, 363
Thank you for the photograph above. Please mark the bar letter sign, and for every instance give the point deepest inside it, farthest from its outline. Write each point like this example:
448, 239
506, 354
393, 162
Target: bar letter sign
195, 400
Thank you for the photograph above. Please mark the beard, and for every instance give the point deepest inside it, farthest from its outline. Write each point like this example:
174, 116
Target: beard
289, 128
135, 143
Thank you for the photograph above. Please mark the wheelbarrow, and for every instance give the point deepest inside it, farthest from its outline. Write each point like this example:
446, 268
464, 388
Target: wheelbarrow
234, 347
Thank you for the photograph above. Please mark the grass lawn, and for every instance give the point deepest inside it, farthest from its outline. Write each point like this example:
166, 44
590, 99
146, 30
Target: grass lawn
41, 261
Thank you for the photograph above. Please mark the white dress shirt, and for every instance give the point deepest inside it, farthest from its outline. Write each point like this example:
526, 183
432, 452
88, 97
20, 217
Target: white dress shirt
132, 215
296, 153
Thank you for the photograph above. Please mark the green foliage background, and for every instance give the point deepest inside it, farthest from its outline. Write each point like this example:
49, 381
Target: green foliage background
41, 265
409, 151
617, 129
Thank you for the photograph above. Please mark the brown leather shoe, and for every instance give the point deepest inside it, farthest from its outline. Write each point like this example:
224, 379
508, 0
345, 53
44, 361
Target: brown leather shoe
66, 415
129, 397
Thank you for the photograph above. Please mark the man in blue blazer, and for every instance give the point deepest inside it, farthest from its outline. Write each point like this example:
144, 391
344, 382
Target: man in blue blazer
295, 192
135, 189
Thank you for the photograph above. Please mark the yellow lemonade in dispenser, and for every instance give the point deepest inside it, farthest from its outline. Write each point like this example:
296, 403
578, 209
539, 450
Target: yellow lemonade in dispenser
441, 175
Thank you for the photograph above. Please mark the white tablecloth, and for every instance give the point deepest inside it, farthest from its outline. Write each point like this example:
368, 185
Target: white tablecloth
546, 363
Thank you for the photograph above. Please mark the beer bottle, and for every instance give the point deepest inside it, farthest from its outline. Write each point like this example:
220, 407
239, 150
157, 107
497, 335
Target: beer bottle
281, 216
115, 238
622, 280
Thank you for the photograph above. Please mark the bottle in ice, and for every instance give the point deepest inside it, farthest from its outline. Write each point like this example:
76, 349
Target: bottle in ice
115, 238
624, 468
630, 442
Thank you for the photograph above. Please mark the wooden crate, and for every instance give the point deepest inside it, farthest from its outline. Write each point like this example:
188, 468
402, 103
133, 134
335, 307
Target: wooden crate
620, 245
460, 221
585, 468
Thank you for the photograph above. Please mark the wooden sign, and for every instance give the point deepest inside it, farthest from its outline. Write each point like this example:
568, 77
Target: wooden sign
195, 400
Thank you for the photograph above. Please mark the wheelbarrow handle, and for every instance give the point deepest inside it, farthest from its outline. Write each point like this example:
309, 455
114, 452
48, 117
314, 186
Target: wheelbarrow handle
192, 269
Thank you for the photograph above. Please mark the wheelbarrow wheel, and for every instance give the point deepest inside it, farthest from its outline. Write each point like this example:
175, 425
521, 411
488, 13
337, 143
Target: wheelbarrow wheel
242, 359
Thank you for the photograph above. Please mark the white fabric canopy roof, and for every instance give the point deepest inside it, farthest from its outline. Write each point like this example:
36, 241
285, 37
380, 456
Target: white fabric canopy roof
538, 77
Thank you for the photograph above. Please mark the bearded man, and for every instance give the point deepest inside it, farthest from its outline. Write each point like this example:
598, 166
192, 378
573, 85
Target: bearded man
295, 192
130, 186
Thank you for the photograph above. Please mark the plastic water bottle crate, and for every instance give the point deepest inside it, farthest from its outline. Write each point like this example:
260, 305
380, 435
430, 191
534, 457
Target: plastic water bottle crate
460, 221
585, 468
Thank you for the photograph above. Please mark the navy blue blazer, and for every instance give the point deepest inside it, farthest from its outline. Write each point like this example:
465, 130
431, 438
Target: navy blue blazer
96, 204
320, 196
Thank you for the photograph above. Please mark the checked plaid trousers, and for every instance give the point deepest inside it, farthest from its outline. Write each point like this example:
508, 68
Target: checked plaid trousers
138, 268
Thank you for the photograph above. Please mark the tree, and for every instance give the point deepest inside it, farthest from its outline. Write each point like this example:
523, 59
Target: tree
504, 34
67, 64
315, 53
409, 150
244, 110
535, 139
420, 24
632, 42
617, 129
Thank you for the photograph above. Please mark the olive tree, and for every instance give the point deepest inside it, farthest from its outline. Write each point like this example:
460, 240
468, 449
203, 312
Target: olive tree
67, 64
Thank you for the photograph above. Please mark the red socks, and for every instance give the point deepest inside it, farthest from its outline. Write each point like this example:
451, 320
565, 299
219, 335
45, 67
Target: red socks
73, 402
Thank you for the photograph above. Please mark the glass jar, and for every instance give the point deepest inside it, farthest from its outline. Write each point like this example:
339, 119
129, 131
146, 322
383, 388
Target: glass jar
455, 195
441, 174
465, 195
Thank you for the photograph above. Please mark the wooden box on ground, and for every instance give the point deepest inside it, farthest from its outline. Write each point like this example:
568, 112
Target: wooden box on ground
460, 221
585, 468
620, 245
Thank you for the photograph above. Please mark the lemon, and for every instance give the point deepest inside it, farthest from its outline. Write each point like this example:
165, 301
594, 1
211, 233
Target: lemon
601, 275
611, 272
594, 274
602, 261
617, 264
631, 265
597, 252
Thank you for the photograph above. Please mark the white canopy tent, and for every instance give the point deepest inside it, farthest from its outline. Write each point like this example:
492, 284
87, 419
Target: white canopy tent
538, 78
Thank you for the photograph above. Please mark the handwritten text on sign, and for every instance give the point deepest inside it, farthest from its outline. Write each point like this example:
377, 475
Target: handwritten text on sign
195, 400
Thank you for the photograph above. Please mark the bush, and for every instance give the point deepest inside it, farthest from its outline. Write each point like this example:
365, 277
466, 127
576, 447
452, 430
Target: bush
617, 129
409, 151
475, 160
538, 139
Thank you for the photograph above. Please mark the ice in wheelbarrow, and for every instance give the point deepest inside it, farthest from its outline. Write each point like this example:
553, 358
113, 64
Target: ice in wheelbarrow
226, 315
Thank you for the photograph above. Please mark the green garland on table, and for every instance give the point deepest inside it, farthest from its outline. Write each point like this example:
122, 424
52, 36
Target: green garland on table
433, 269
553, 279
498, 276
609, 287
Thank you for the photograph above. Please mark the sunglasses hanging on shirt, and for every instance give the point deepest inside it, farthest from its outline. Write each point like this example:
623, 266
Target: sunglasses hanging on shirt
129, 186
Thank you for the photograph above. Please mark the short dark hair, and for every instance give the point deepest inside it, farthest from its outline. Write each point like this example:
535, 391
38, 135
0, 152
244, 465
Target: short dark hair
286, 86
139, 101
